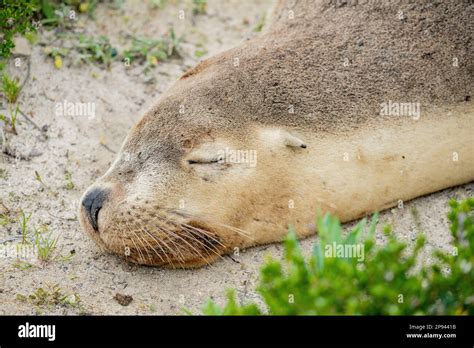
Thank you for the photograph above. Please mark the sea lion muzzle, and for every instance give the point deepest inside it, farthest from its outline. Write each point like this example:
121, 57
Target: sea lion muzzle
92, 203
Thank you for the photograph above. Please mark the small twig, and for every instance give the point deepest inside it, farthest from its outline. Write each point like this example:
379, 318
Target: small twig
9, 239
30, 120
230, 257
108, 148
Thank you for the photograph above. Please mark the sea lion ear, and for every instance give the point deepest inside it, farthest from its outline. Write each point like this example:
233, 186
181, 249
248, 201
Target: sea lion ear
293, 141
277, 137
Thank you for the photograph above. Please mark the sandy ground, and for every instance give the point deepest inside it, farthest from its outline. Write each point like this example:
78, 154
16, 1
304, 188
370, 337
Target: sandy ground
84, 147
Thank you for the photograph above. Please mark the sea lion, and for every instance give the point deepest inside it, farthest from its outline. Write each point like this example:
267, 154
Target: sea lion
343, 106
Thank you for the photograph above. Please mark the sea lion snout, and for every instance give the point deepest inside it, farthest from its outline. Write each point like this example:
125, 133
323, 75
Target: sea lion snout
96, 206
92, 203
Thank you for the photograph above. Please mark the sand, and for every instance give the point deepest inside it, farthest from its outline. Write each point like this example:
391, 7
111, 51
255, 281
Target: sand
85, 147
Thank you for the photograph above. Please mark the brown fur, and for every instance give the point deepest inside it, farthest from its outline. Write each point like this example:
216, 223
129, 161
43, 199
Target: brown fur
400, 51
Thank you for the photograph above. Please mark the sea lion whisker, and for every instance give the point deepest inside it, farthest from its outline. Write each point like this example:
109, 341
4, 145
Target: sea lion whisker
177, 250
167, 232
179, 257
188, 244
146, 249
159, 244
154, 238
141, 240
136, 246
197, 252
123, 244
204, 232
235, 229
206, 247
200, 232
208, 220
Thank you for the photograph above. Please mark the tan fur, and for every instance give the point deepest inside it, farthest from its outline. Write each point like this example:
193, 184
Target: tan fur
306, 96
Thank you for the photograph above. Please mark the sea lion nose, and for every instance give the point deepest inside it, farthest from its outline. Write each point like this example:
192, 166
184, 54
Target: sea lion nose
92, 203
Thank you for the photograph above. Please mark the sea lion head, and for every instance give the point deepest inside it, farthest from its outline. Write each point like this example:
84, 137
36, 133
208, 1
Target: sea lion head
190, 180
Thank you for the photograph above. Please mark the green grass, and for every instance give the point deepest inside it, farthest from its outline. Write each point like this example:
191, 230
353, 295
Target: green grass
45, 245
261, 22
69, 183
10, 88
24, 228
200, 51
39, 178
11, 121
392, 279
42, 239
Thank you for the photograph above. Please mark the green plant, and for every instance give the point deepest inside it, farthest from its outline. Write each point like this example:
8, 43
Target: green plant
63, 13
199, 6
3, 172
32, 37
200, 50
94, 49
158, 4
13, 118
40, 179
56, 15
69, 183
152, 51
68, 257
57, 53
86, 6
85, 49
23, 221
386, 280
15, 18
52, 296
22, 265
11, 121
260, 24
4, 219
10, 88
45, 246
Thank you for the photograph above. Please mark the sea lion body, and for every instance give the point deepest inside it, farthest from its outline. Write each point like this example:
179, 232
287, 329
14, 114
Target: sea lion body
343, 109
